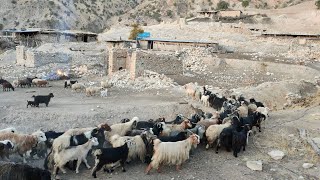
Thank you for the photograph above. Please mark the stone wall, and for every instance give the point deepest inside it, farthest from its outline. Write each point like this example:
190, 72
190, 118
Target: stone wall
20, 55
117, 59
162, 63
137, 61
35, 58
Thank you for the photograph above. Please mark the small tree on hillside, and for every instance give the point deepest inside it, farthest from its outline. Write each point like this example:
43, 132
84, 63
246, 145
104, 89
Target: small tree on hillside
245, 3
318, 4
136, 29
222, 5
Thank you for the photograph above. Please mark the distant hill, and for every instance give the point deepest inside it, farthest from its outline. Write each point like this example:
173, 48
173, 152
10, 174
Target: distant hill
97, 15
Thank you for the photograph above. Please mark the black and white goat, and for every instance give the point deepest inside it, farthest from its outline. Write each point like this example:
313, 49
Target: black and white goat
105, 156
68, 83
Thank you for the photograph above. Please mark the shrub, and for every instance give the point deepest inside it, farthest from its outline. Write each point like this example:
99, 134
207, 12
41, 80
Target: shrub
245, 3
318, 4
222, 5
136, 29
169, 13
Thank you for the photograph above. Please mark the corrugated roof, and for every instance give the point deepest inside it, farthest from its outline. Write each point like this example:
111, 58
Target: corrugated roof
182, 41
34, 30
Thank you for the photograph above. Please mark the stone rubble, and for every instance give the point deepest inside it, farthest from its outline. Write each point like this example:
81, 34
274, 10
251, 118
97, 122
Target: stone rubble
307, 165
276, 154
255, 165
149, 80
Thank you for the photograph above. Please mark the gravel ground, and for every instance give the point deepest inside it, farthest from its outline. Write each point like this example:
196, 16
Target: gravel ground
69, 109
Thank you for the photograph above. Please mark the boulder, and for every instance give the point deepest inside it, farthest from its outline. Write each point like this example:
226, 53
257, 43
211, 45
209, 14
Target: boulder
255, 165
276, 154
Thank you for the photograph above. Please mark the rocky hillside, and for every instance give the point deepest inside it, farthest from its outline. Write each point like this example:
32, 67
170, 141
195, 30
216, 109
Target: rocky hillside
97, 15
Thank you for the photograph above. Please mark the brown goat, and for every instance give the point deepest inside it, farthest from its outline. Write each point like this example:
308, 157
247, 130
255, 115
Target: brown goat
42, 83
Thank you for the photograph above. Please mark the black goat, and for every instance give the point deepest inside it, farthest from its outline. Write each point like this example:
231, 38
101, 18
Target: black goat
179, 137
24, 83
144, 125
216, 102
124, 120
177, 120
51, 135
206, 92
225, 137
30, 103
253, 120
195, 119
5, 147
3, 81
42, 99
239, 139
259, 104
10, 171
7, 86
110, 155
134, 132
157, 128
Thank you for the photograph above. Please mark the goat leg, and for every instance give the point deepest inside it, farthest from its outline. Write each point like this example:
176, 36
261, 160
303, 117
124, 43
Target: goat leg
86, 162
95, 169
148, 169
178, 167
78, 165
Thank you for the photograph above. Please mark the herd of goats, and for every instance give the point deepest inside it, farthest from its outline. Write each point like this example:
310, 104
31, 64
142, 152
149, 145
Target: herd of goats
157, 142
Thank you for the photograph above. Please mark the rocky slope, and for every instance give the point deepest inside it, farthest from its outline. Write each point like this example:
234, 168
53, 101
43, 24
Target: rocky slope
97, 15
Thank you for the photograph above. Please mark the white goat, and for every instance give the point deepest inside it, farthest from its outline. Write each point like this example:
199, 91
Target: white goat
137, 148
205, 100
8, 130
213, 132
104, 93
252, 108
172, 153
243, 110
15, 83
105, 84
122, 128
91, 91
63, 141
168, 128
78, 87
78, 153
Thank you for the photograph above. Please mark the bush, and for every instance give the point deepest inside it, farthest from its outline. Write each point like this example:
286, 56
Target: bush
1, 26
245, 3
169, 13
318, 4
136, 29
222, 5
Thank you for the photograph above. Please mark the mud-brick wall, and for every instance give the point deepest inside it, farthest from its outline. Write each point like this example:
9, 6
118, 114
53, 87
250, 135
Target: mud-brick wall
162, 63
117, 59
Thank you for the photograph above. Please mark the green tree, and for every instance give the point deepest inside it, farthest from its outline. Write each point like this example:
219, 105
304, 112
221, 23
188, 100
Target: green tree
222, 5
136, 29
318, 4
245, 3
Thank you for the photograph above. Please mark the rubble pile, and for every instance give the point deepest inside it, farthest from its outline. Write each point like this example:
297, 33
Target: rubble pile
149, 80
193, 58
